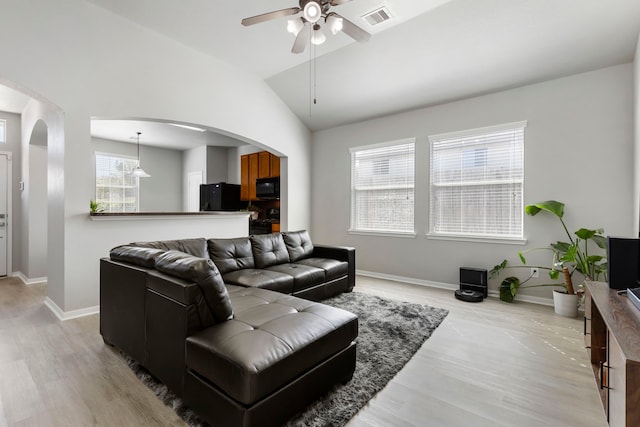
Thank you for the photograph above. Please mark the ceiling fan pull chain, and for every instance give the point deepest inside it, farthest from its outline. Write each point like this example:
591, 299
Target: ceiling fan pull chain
315, 77
310, 74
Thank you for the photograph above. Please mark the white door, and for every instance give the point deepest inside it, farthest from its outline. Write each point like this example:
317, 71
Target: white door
194, 179
3, 214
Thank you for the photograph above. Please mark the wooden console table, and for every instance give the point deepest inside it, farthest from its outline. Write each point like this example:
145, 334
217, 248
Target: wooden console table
612, 337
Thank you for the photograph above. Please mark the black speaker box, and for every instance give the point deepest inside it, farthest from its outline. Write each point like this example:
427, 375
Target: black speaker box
623, 260
474, 279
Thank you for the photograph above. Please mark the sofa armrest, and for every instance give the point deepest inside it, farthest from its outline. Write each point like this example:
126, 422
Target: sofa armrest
122, 295
184, 293
340, 253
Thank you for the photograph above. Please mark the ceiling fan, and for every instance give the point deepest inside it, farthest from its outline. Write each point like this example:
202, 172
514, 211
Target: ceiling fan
308, 24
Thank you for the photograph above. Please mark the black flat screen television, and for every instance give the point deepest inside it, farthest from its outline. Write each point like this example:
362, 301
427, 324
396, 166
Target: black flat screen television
623, 262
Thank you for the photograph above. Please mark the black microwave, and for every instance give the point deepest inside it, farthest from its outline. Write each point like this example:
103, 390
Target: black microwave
268, 188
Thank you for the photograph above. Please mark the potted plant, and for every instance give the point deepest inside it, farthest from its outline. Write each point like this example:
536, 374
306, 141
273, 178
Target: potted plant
94, 207
568, 257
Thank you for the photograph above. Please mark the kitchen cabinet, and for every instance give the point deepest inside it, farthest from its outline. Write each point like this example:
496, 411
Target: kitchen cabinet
264, 164
275, 165
244, 178
253, 166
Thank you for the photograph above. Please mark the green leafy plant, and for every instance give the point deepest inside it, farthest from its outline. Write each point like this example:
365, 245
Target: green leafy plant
94, 207
568, 257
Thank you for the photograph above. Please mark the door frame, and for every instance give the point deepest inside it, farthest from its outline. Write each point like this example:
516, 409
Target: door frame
199, 174
9, 217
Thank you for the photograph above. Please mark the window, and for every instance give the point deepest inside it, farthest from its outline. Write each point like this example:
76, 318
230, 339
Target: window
382, 183
3, 131
116, 188
477, 179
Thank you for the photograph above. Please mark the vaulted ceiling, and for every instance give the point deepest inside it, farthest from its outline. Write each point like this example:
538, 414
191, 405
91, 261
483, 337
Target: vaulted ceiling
430, 52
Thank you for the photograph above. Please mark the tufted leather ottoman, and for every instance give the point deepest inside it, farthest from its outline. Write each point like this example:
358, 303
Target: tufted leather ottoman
276, 355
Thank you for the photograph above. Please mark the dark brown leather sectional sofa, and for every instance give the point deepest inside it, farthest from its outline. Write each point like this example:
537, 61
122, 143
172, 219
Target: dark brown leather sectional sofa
230, 325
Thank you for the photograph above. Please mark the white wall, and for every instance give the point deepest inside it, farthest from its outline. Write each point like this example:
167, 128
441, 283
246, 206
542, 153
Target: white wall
38, 206
217, 167
80, 61
36, 113
13, 146
636, 162
193, 160
162, 192
578, 149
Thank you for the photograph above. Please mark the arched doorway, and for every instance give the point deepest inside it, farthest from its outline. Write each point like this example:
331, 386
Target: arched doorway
35, 203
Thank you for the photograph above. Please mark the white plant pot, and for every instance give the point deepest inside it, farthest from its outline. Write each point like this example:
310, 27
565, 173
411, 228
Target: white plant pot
565, 304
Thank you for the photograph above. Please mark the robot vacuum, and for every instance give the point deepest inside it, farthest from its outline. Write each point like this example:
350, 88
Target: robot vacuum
469, 295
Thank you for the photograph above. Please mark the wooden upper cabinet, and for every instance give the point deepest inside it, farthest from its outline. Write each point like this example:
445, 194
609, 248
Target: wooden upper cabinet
254, 166
275, 165
244, 177
254, 171
264, 164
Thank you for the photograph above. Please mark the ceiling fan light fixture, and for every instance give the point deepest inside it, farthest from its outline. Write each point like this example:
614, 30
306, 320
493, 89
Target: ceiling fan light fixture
318, 37
335, 23
312, 11
295, 25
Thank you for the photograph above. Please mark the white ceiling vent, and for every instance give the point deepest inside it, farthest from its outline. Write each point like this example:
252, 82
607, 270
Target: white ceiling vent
378, 16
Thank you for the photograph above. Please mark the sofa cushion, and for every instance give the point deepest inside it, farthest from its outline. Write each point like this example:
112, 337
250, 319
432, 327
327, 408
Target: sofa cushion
298, 243
261, 278
231, 254
204, 273
332, 267
143, 257
269, 249
272, 340
304, 276
196, 247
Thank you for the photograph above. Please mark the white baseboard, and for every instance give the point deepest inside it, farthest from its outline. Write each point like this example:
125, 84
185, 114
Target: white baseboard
449, 286
52, 306
68, 315
26, 280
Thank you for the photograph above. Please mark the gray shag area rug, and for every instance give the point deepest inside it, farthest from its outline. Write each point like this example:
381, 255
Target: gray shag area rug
389, 334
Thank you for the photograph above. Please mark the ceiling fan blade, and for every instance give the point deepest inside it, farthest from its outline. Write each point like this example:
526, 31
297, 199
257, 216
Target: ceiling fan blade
353, 31
301, 39
270, 15
338, 2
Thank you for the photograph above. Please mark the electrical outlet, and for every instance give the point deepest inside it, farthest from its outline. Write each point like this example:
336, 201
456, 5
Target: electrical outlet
535, 272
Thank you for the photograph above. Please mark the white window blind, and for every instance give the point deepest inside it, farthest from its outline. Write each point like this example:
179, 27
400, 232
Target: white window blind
3, 131
116, 188
382, 187
477, 180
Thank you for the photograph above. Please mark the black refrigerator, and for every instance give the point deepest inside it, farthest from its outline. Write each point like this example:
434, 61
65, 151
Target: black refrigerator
220, 197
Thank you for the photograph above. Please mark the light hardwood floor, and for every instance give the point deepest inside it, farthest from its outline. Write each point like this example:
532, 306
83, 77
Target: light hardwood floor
488, 364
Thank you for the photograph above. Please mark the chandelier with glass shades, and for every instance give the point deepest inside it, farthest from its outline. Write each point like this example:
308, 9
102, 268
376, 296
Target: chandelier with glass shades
309, 25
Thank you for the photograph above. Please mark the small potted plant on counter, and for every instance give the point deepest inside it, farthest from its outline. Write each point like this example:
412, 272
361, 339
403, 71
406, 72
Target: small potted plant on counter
568, 257
94, 207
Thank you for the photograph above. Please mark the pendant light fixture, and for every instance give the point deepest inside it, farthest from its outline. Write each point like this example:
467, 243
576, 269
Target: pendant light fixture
137, 171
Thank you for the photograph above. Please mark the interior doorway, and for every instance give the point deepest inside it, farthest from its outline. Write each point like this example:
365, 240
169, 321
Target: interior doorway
5, 203
194, 179
35, 208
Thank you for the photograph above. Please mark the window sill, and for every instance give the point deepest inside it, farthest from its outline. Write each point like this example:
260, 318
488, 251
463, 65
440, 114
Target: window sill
405, 235
477, 239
